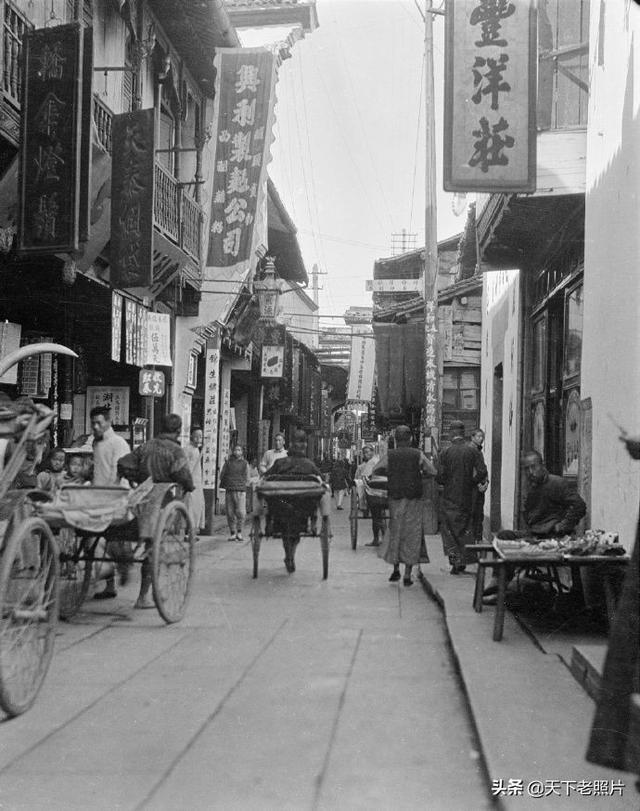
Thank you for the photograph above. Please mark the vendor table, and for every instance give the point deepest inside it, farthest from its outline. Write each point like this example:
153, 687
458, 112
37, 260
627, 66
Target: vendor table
608, 565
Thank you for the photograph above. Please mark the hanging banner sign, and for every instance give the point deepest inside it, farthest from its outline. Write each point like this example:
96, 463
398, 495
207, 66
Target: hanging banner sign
272, 361
490, 96
132, 199
158, 339
244, 114
142, 327
116, 326
211, 411
129, 331
361, 368
115, 397
50, 168
393, 285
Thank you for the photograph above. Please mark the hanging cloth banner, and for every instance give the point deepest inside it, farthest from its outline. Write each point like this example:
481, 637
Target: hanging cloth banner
490, 96
116, 326
9, 342
361, 368
158, 339
244, 116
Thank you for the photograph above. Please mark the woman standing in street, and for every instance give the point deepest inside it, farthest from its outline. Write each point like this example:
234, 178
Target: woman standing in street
404, 467
194, 501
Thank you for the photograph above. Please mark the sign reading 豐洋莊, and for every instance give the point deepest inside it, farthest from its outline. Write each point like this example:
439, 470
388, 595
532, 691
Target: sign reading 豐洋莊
490, 96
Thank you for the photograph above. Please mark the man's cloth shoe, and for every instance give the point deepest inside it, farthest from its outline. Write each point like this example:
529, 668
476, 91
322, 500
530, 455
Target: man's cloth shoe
144, 604
232, 538
373, 543
490, 590
491, 599
239, 537
407, 581
105, 595
395, 576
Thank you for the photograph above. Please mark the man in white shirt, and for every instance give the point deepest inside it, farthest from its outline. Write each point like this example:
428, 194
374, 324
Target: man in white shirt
272, 454
108, 447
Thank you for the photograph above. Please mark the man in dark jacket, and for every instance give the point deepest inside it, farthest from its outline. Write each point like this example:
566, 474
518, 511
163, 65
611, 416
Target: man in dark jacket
290, 518
461, 469
552, 508
163, 460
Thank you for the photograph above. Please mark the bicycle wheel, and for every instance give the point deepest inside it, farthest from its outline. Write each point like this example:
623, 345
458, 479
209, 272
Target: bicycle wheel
76, 563
172, 561
28, 613
255, 544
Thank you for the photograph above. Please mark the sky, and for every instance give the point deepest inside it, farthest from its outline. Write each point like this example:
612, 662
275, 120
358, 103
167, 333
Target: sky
348, 156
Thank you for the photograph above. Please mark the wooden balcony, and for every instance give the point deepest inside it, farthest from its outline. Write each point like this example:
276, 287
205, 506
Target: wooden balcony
177, 216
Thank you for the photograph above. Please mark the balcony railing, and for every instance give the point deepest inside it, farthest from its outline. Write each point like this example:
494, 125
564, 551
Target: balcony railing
176, 215
15, 24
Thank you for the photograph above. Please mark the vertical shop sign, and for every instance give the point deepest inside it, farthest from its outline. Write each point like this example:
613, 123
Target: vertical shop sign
273, 352
490, 96
430, 420
132, 199
361, 368
141, 341
129, 331
50, 166
115, 397
116, 326
244, 112
225, 426
211, 408
159, 339
9, 342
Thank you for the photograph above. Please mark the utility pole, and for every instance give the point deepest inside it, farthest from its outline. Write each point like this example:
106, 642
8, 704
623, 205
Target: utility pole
430, 428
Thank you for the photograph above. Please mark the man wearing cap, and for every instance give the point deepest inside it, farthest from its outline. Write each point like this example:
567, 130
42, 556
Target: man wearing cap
461, 469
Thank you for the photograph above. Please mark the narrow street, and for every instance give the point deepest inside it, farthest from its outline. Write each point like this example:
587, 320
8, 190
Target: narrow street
281, 693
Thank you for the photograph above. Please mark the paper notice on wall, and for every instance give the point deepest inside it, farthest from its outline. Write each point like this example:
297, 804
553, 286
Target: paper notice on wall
158, 339
9, 342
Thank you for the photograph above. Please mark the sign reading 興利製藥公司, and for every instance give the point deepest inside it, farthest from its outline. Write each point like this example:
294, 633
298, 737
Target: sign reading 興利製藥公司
159, 339
132, 182
151, 383
211, 411
51, 159
490, 96
114, 397
244, 112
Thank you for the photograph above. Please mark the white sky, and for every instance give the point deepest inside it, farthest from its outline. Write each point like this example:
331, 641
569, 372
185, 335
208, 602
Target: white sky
348, 156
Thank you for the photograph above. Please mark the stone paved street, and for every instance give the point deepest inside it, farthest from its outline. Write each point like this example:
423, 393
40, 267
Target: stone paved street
282, 693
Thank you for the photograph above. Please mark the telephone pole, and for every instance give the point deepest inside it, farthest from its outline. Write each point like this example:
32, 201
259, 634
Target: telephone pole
431, 402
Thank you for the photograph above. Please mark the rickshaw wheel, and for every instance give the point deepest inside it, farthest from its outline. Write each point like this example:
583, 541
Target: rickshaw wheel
324, 545
353, 518
74, 571
172, 561
255, 544
28, 612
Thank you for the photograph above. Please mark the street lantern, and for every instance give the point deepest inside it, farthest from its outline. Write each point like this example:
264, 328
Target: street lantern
268, 291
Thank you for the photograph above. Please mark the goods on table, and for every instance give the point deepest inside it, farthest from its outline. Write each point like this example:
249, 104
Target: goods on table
593, 542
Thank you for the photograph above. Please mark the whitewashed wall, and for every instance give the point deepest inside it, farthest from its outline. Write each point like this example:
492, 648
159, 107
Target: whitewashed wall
501, 344
611, 346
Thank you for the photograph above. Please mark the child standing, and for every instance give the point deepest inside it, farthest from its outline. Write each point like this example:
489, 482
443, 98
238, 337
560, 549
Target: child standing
52, 477
234, 479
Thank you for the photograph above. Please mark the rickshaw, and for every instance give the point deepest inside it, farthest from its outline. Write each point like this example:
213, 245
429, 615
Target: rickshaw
295, 502
28, 560
33, 563
375, 490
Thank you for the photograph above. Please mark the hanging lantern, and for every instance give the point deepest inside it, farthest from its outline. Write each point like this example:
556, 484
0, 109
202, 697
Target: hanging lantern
267, 290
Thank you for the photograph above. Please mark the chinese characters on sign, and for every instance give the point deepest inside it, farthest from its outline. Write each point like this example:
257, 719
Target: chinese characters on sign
159, 339
116, 398
151, 383
393, 285
211, 409
490, 96
51, 146
244, 114
361, 368
116, 326
430, 419
132, 199
225, 426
